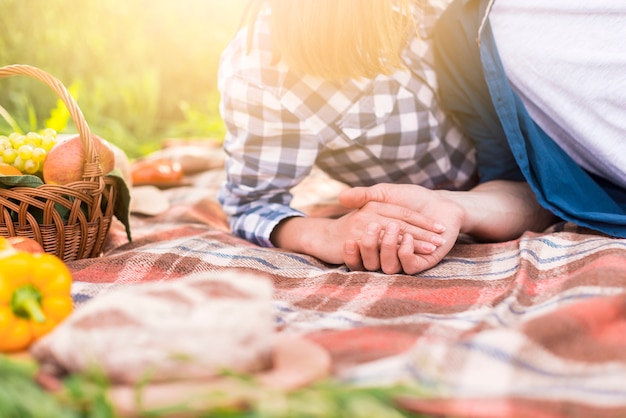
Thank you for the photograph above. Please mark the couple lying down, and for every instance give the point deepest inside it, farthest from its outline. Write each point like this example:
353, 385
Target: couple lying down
489, 118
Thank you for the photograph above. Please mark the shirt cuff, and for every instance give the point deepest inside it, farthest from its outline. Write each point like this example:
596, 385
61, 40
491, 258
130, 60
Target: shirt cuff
257, 224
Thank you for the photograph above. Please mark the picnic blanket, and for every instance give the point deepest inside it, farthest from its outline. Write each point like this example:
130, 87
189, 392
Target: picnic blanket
533, 327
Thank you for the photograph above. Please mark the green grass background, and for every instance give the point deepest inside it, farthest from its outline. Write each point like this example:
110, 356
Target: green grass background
140, 70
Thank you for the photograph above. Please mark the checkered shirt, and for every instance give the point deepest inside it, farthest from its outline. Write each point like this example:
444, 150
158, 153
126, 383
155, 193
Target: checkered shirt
279, 125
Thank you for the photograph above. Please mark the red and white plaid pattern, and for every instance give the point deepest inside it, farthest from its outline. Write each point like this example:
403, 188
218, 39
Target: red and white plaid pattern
530, 327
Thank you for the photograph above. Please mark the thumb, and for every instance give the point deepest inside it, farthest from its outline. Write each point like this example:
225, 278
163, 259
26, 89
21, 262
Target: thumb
353, 198
357, 197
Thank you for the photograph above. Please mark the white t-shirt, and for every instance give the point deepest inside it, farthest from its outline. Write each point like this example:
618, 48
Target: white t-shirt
567, 61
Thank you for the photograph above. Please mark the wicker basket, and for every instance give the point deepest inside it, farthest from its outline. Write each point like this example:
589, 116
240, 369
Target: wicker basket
87, 205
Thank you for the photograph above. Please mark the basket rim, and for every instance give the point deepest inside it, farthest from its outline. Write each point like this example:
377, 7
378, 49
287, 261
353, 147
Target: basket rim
93, 171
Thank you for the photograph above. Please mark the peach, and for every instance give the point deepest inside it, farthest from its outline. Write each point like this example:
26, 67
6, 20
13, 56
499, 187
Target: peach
6, 249
65, 163
25, 244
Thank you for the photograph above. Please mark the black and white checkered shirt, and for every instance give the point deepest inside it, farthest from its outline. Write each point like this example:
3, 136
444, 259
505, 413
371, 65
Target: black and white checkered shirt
386, 129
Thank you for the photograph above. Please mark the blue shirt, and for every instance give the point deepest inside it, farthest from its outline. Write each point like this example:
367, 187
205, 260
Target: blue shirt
509, 144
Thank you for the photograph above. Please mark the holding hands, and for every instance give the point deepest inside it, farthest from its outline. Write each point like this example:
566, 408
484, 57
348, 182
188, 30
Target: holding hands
409, 228
369, 222
393, 247
493, 211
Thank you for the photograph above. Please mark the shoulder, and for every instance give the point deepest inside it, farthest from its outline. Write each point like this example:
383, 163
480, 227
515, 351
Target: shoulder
248, 57
426, 13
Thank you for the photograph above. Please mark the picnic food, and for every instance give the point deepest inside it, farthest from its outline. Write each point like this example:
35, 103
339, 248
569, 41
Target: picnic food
26, 153
156, 171
34, 296
194, 327
9, 170
6, 248
25, 244
65, 162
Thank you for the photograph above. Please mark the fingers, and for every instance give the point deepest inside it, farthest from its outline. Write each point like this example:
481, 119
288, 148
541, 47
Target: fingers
356, 197
409, 204
368, 246
401, 252
411, 263
390, 251
364, 254
408, 195
389, 261
422, 227
352, 256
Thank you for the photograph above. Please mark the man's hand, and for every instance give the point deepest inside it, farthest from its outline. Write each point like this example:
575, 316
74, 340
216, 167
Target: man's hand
498, 210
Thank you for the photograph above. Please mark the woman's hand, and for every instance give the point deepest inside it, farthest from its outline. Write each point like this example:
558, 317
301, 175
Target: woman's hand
324, 237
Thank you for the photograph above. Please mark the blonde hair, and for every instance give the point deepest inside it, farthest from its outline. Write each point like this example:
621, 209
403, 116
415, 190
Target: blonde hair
338, 39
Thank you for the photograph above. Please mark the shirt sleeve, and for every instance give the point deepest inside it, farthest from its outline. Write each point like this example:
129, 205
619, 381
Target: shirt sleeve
464, 93
268, 152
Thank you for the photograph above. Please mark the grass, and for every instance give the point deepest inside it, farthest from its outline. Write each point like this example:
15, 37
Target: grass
86, 397
141, 70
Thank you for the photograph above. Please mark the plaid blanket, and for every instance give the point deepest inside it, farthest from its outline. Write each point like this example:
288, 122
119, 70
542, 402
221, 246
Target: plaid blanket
531, 327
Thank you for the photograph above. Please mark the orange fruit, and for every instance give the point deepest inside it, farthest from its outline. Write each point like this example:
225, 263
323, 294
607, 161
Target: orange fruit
9, 170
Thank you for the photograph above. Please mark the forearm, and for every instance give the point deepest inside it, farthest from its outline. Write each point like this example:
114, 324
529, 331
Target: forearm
308, 235
501, 210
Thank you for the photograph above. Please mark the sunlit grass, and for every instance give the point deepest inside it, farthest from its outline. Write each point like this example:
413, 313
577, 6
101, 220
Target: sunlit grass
142, 64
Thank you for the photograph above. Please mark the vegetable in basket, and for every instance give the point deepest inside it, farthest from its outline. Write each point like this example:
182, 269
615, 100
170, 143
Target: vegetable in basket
35, 296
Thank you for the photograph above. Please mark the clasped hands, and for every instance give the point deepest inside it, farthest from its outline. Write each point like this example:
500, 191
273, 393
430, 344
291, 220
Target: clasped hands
408, 228
390, 227
415, 227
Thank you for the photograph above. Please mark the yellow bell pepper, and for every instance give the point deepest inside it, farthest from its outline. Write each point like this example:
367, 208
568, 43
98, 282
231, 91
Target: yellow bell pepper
35, 296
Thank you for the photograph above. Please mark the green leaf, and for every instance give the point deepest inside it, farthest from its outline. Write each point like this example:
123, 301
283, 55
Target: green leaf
121, 210
32, 117
9, 119
26, 180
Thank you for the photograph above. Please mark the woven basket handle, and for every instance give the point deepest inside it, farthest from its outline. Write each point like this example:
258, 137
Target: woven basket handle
92, 166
